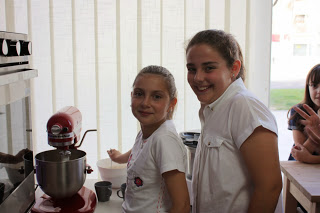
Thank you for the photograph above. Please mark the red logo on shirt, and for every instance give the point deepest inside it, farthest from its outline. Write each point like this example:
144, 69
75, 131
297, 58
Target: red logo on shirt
129, 160
138, 181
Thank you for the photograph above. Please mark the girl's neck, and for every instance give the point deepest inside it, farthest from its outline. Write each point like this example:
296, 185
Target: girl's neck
148, 130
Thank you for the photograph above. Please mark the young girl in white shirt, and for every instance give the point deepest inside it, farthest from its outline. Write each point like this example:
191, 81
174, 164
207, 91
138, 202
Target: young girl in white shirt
156, 164
236, 167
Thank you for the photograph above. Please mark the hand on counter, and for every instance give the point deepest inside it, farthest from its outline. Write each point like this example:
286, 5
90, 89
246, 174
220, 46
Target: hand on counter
300, 153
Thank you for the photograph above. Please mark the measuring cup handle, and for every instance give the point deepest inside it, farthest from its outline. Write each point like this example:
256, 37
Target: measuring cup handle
118, 193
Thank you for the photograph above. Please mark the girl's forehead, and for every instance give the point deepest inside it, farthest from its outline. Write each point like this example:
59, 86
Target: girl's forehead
314, 78
151, 82
203, 52
150, 77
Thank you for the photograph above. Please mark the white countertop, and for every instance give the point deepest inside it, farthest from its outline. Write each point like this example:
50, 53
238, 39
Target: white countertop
111, 206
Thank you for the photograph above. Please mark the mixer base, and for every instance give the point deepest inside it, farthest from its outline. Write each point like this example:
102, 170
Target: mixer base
84, 201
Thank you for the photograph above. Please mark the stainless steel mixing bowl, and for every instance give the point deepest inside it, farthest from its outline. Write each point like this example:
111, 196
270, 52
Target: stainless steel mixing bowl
59, 177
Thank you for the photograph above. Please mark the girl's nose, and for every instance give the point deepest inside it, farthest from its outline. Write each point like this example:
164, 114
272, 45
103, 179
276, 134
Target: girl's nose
145, 101
199, 76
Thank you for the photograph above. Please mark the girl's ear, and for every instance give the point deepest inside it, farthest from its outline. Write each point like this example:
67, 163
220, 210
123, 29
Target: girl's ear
235, 68
172, 104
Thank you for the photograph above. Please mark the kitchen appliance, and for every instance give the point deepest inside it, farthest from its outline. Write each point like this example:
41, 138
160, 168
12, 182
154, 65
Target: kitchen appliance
17, 188
190, 140
61, 172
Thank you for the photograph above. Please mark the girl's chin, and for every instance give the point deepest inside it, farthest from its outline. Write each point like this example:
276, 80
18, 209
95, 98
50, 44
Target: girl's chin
205, 101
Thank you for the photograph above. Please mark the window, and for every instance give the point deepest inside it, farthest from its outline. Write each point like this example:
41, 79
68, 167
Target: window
299, 49
314, 50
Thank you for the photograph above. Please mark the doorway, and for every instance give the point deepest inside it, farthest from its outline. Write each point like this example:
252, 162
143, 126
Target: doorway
295, 50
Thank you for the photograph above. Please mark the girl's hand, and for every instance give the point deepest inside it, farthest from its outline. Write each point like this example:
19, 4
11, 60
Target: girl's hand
300, 153
114, 154
118, 157
314, 135
311, 122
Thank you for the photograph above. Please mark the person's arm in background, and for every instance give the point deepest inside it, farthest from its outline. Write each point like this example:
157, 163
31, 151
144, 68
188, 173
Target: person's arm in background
118, 157
13, 159
178, 191
304, 152
300, 153
314, 134
299, 137
260, 153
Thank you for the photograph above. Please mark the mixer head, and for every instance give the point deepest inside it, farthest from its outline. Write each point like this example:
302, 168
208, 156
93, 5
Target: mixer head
64, 128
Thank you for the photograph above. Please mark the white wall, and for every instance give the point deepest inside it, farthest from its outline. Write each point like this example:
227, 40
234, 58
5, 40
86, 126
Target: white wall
88, 52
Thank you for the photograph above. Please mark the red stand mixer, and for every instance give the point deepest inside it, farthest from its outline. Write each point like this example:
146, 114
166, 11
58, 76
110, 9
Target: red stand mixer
61, 173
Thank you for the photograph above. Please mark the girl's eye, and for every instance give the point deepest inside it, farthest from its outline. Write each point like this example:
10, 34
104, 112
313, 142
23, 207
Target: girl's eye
137, 94
191, 70
157, 97
313, 85
209, 69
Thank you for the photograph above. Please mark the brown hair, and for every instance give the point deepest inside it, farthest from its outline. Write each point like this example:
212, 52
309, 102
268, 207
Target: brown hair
167, 77
224, 43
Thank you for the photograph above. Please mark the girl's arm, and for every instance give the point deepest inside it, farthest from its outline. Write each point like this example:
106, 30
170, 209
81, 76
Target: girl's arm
303, 155
300, 153
314, 135
300, 139
178, 191
260, 153
118, 157
311, 123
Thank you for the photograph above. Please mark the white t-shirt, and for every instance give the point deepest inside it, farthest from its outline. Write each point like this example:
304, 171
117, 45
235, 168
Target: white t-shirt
220, 180
163, 151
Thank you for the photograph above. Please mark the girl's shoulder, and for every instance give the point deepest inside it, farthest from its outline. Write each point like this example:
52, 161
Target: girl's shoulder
166, 129
166, 133
248, 101
292, 111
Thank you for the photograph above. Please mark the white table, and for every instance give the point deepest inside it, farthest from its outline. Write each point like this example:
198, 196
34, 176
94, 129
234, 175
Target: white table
111, 206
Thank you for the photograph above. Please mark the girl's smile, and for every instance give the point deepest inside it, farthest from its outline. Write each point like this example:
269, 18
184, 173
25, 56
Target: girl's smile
143, 113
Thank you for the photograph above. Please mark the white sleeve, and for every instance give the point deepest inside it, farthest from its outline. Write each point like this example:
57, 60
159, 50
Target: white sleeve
248, 114
169, 154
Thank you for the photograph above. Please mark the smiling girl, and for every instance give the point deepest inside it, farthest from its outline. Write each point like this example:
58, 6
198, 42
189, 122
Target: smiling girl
156, 164
236, 167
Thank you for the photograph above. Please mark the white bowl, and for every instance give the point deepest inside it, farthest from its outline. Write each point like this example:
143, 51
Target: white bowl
113, 172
